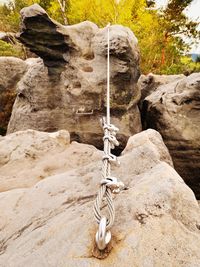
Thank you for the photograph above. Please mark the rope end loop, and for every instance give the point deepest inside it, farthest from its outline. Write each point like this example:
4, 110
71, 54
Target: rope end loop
103, 237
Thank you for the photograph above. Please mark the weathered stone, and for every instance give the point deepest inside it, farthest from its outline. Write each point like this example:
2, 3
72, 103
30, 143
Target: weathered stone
29, 156
149, 83
68, 90
11, 71
8, 37
28, 150
51, 224
174, 110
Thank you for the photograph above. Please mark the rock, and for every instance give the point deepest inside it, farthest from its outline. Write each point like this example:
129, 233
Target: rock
27, 157
51, 223
149, 83
8, 37
11, 71
66, 90
174, 110
28, 150
149, 138
21, 152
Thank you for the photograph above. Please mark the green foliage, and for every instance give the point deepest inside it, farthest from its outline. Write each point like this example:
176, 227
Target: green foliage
185, 66
198, 59
56, 11
7, 49
189, 65
10, 14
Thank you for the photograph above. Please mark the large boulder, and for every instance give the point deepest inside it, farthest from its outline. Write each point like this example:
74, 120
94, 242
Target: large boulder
26, 157
150, 82
51, 224
174, 110
66, 88
11, 71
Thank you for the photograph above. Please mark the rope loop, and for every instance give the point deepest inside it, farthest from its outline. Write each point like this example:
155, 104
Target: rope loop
110, 127
103, 237
111, 159
112, 139
109, 185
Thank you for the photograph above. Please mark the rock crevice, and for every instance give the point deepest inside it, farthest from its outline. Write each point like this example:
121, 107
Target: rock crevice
174, 110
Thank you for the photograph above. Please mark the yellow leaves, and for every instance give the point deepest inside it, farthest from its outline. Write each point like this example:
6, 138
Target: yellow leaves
97, 11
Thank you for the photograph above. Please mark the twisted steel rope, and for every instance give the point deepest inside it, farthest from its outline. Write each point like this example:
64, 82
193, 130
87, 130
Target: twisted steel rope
109, 184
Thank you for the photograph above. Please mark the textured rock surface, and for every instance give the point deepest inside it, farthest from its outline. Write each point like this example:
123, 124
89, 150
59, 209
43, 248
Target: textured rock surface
29, 156
174, 110
28, 150
72, 79
11, 71
149, 83
51, 223
8, 37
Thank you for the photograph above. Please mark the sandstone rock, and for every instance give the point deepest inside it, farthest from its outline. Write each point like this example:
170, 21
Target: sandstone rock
67, 91
51, 224
27, 157
8, 37
11, 71
149, 83
174, 110
28, 150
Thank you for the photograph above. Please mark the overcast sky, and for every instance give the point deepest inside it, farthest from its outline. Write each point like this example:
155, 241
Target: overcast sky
193, 11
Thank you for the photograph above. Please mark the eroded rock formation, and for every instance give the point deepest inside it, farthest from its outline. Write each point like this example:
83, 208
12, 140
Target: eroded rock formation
66, 90
174, 110
51, 223
149, 83
11, 71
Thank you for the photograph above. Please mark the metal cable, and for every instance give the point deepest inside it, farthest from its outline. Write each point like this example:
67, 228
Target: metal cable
109, 184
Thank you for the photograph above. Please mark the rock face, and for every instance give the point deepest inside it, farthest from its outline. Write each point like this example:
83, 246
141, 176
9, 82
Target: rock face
66, 90
149, 83
11, 71
174, 110
51, 224
21, 152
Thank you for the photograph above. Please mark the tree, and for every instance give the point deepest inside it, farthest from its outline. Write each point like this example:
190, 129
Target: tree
150, 3
63, 4
10, 14
175, 24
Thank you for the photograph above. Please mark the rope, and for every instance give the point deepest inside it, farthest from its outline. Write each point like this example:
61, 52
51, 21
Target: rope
108, 76
108, 183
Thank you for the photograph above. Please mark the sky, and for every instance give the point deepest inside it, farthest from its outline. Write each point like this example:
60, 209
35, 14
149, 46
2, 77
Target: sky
193, 12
